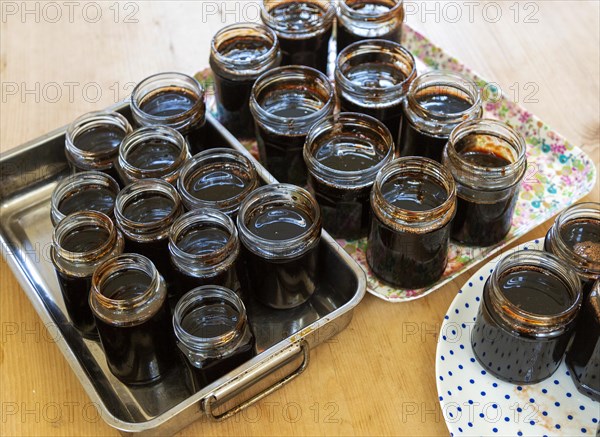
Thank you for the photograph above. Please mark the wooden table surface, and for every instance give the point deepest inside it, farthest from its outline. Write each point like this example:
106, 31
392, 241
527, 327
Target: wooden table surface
377, 376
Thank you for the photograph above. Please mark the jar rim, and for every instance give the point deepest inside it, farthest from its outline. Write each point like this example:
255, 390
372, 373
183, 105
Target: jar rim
327, 6
254, 60
355, 14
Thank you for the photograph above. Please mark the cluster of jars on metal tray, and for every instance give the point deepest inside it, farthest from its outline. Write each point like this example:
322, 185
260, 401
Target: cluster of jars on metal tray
402, 159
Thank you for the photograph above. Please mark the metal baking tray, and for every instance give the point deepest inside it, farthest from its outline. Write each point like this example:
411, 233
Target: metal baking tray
284, 338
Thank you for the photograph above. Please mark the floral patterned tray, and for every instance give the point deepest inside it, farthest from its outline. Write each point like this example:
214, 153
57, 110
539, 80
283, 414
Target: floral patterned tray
558, 173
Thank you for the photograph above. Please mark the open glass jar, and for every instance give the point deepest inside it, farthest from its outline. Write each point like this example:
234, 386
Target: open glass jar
436, 103
488, 161
526, 317
280, 230
372, 77
413, 202
371, 19
239, 54
80, 243
175, 100
343, 154
129, 301
211, 325
286, 102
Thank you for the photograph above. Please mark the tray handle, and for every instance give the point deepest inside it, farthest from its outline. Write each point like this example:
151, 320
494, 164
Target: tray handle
252, 377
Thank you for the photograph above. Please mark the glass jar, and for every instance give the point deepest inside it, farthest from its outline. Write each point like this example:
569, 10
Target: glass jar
583, 356
487, 160
413, 202
85, 191
204, 250
92, 141
217, 178
436, 103
343, 154
526, 317
175, 100
304, 29
575, 239
80, 243
359, 20
286, 102
129, 301
372, 77
239, 54
280, 230
144, 212
211, 325
152, 152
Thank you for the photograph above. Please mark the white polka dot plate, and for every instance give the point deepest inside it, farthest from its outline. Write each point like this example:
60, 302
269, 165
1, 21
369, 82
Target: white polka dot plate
474, 402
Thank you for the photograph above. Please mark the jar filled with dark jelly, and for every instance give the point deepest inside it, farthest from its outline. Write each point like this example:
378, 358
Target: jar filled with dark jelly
526, 317
211, 325
583, 356
413, 202
436, 103
280, 230
286, 102
175, 100
304, 29
372, 77
239, 54
85, 191
575, 238
80, 243
129, 301
144, 212
369, 19
204, 249
152, 152
487, 160
217, 178
92, 141
343, 154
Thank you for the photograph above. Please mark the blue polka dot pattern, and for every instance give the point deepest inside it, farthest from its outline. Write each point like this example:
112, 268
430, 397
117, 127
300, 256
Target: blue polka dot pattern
489, 405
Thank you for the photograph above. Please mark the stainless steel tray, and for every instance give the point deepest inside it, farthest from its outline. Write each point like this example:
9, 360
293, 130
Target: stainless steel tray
29, 173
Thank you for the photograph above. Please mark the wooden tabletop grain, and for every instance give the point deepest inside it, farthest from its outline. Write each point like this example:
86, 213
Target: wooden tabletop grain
61, 59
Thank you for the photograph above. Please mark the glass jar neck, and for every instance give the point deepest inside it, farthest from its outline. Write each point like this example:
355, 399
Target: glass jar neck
355, 15
158, 225
173, 83
206, 263
302, 88
491, 137
525, 322
586, 267
102, 158
149, 138
369, 92
77, 183
440, 123
83, 263
293, 19
211, 161
274, 196
247, 67
404, 220
197, 304
359, 131
139, 305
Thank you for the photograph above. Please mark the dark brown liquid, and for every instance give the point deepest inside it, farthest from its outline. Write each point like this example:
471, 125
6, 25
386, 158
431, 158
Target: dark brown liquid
369, 75
483, 224
313, 51
216, 184
89, 198
347, 34
140, 353
520, 358
154, 154
76, 290
232, 91
415, 142
408, 259
280, 223
100, 139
